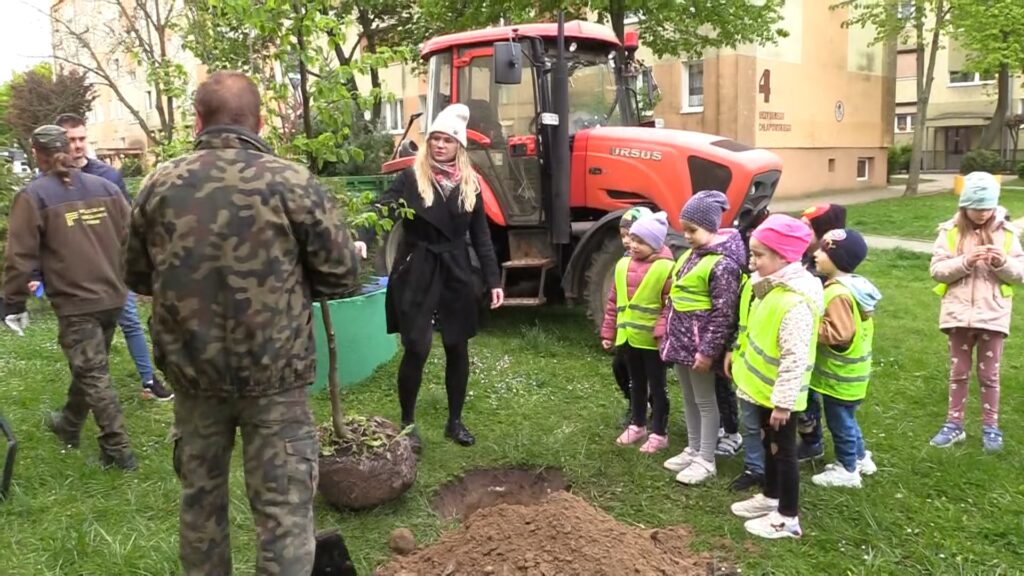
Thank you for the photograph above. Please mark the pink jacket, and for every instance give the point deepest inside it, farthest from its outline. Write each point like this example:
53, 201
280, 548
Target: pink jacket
634, 276
973, 298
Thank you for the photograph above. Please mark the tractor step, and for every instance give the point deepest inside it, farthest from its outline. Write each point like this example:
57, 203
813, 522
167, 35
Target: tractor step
524, 302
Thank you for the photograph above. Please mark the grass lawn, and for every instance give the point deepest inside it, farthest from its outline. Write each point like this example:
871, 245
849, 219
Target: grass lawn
542, 395
917, 217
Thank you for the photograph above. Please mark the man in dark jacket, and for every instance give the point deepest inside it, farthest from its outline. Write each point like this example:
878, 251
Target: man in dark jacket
134, 335
73, 227
232, 243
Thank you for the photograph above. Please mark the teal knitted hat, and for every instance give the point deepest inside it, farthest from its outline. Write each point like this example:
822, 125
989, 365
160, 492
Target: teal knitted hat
980, 192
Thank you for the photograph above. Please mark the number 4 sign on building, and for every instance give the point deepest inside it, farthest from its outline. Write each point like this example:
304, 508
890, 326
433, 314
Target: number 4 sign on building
764, 85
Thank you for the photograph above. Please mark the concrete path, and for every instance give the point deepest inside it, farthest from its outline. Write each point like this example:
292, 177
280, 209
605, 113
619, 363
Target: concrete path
937, 184
889, 243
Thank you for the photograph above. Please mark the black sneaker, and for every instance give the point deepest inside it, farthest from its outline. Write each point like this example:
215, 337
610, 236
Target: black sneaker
52, 422
456, 431
807, 452
747, 480
155, 390
126, 461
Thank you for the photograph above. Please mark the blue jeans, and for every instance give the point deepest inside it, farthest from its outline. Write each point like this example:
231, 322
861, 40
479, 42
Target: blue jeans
809, 421
135, 338
841, 417
750, 429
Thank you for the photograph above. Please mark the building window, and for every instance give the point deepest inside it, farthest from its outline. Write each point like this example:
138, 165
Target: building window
423, 118
149, 100
693, 87
904, 123
393, 116
905, 9
831, 165
958, 77
863, 168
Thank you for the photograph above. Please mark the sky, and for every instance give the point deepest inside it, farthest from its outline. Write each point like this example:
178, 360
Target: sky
24, 35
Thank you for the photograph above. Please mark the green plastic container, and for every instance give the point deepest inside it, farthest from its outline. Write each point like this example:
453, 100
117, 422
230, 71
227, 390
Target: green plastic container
360, 332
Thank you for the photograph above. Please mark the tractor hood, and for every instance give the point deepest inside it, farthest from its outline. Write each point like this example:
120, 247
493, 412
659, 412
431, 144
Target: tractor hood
625, 166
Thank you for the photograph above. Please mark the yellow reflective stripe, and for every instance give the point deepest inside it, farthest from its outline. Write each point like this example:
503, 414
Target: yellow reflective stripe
645, 309
635, 326
842, 379
771, 360
758, 374
833, 355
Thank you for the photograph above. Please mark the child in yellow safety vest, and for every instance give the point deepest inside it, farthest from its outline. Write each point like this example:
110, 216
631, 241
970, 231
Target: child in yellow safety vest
780, 309
976, 259
641, 286
701, 318
842, 368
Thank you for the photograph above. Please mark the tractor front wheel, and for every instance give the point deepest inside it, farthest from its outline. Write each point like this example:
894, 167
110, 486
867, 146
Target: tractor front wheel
599, 277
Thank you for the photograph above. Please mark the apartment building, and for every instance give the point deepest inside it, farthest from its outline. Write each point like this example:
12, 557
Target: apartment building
961, 105
114, 132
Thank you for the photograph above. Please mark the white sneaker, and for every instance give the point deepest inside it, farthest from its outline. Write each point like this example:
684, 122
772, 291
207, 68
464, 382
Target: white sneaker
774, 526
681, 461
759, 505
866, 466
699, 471
721, 431
835, 476
729, 445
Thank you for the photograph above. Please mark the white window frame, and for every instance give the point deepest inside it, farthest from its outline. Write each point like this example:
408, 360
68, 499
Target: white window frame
867, 169
976, 82
910, 123
394, 116
423, 109
685, 107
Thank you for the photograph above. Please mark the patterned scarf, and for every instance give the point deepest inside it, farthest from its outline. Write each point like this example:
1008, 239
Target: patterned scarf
446, 176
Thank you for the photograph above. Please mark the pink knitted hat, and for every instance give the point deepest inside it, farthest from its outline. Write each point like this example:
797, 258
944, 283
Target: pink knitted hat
785, 235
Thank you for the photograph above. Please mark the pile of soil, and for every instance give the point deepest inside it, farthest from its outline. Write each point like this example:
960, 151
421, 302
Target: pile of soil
560, 535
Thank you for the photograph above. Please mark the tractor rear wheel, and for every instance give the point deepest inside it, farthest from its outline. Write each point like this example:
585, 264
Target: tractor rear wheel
599, 277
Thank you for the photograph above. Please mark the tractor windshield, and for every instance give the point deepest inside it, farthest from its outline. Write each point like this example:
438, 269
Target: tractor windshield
594, 98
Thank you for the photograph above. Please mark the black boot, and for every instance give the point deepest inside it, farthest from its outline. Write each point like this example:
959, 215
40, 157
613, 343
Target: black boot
456, 431
414, 438
126, 461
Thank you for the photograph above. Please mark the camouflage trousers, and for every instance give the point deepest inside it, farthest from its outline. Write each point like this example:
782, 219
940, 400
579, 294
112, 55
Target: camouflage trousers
85, 339
280, 450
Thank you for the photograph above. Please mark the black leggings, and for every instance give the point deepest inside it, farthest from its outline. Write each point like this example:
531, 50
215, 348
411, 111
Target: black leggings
781, 469
727, 407
456, 377
647, 373
621, 371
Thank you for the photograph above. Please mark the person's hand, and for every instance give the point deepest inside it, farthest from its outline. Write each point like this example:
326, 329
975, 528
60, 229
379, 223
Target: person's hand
17, 322
606, 344
727, 365
33, 286
978, 254
996, 257
702, 363
360, 249
497, 298
779, 418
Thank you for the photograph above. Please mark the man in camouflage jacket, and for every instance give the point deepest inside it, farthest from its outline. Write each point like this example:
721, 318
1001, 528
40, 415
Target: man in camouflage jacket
233, 243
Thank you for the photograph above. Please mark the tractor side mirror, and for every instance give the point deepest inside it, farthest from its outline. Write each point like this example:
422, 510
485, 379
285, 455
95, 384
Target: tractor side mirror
508, 63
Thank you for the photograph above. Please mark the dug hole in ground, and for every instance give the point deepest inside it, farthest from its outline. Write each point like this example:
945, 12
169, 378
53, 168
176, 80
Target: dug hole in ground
524, 522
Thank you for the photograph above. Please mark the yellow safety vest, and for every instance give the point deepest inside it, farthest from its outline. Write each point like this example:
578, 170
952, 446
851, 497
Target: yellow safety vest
691, 292
953, 236
845, 375
638, 315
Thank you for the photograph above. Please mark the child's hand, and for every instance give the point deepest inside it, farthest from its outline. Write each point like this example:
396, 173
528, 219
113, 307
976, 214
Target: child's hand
727, 365
702, 363
996, 257
779, 418
606, 344
978, 254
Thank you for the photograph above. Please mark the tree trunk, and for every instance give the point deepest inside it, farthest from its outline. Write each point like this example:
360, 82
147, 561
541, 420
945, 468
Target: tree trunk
617, 17
366, 24
337, 416
300, 39
925, 79
991, 134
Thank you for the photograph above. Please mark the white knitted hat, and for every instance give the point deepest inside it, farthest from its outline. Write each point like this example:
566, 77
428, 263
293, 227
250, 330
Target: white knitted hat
452, 121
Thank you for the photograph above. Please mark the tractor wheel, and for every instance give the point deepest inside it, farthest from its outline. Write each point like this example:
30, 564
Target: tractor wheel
599, 277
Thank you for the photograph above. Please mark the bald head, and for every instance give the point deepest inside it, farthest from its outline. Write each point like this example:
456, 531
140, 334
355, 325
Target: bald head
228, 98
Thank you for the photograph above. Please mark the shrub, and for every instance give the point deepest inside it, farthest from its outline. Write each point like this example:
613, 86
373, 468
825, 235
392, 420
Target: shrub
981, 161
899, 158
1020, 170
9, 185
131, 167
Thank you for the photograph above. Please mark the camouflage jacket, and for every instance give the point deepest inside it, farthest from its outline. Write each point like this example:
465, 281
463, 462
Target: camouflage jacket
233, 243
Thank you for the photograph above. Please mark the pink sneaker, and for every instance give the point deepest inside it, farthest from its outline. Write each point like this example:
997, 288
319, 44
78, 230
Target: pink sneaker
655, 443
631, 435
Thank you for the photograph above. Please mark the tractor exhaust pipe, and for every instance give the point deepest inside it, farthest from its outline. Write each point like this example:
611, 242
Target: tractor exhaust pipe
560, 217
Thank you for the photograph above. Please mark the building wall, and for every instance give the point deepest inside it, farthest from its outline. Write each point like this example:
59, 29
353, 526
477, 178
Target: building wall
821, 98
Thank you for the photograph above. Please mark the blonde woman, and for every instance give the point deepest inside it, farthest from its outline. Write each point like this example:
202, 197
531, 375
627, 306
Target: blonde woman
432, 275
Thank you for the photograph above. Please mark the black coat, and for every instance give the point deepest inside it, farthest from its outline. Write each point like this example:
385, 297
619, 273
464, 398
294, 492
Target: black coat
432, 271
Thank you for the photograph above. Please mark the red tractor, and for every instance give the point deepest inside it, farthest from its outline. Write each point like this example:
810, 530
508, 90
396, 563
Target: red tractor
555, 136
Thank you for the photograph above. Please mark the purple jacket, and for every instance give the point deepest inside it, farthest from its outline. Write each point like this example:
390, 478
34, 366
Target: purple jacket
708, 332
